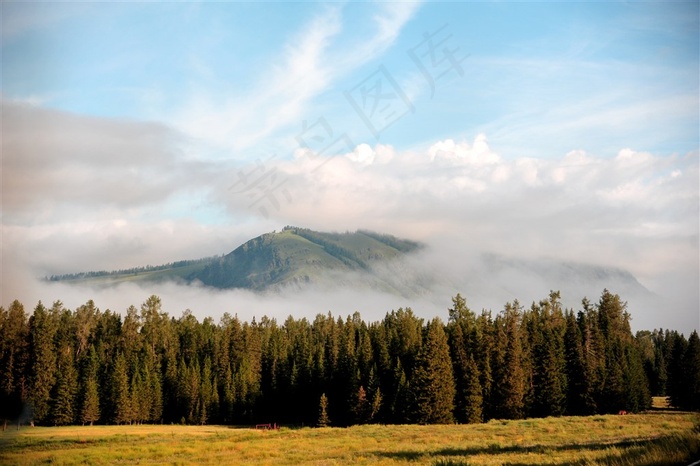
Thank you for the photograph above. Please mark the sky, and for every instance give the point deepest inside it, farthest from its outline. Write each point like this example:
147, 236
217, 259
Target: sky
144, 133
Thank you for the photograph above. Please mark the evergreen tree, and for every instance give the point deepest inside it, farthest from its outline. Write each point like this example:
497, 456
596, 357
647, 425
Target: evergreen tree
580, 391
206, 396
323, 419
510, 377
483, 356
636, 383
473, 396
85, 318
141, 396
362, 409
677, 345
549, 376
376, 406
690, 398
657, 370
121, 395
87, 366
42, 330
64, 407
432, 384
14, 330
469, 395
400, 408
610, 320
90, 409
593, 355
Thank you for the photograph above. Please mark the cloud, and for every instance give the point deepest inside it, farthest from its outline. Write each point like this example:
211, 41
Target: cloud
635, 210
55, 161
83, 193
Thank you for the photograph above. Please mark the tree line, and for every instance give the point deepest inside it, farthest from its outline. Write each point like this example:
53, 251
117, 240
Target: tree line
60, 366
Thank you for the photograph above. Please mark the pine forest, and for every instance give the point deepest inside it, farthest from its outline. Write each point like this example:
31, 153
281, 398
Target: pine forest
60, 366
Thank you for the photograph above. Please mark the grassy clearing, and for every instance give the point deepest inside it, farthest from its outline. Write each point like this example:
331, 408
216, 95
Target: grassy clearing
663, 438
660, 402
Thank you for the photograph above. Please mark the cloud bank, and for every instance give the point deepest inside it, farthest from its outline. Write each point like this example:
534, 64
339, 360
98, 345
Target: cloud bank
84, 193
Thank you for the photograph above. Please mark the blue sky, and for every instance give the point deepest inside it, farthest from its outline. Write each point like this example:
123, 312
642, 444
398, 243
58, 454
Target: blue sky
528, 66
560, 129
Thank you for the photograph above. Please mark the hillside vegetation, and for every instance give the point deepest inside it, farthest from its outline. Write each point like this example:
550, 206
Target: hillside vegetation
298, 256
293, 256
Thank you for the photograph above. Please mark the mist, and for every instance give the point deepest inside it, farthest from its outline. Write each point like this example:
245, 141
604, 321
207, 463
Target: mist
424, 281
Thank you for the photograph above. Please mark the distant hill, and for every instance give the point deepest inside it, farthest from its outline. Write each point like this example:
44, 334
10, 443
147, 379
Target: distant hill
292, 257
299, 258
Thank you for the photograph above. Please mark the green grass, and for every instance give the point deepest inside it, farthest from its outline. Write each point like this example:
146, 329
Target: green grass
645, 439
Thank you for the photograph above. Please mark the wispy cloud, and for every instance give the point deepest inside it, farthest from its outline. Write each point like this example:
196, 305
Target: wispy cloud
310, 63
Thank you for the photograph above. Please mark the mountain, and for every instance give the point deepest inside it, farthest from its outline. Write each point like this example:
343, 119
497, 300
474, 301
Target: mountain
292, 257
298, 258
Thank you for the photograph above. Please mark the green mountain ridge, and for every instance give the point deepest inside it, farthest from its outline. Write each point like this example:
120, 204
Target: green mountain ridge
297, 259
291, 257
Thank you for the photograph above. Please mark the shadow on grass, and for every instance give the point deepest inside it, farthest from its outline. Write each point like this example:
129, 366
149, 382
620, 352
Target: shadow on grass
666, 450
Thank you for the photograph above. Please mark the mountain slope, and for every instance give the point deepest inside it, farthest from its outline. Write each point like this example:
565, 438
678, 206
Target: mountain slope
297, 259
294, 256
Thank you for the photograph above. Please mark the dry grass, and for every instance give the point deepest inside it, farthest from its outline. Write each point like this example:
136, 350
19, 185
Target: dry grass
655, 438
660, 402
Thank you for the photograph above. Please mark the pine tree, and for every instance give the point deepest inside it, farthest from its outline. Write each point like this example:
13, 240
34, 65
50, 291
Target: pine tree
469, 395
345, 382
610, 320
205, 393
362, 409
141, 395
579, 396
473, 406
483, 357
42, 329
551, 398
66, 389
691, 363
399, 411
376, 405
510, 377
432, 384
676, 347
155, 390
90, 410
120, 392
14, 330
323, 419
636, 382
593, 347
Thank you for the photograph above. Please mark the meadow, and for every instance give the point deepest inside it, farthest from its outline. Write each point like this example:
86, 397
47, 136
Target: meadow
639, 439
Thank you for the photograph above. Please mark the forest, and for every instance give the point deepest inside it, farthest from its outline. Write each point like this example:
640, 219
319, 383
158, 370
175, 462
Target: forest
60, 366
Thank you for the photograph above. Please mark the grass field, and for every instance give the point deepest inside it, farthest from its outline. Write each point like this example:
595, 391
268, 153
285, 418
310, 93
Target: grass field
643, 439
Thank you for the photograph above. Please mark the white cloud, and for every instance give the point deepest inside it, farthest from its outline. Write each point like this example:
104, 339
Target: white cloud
363, 154
82, 193
478, 154
632, 210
